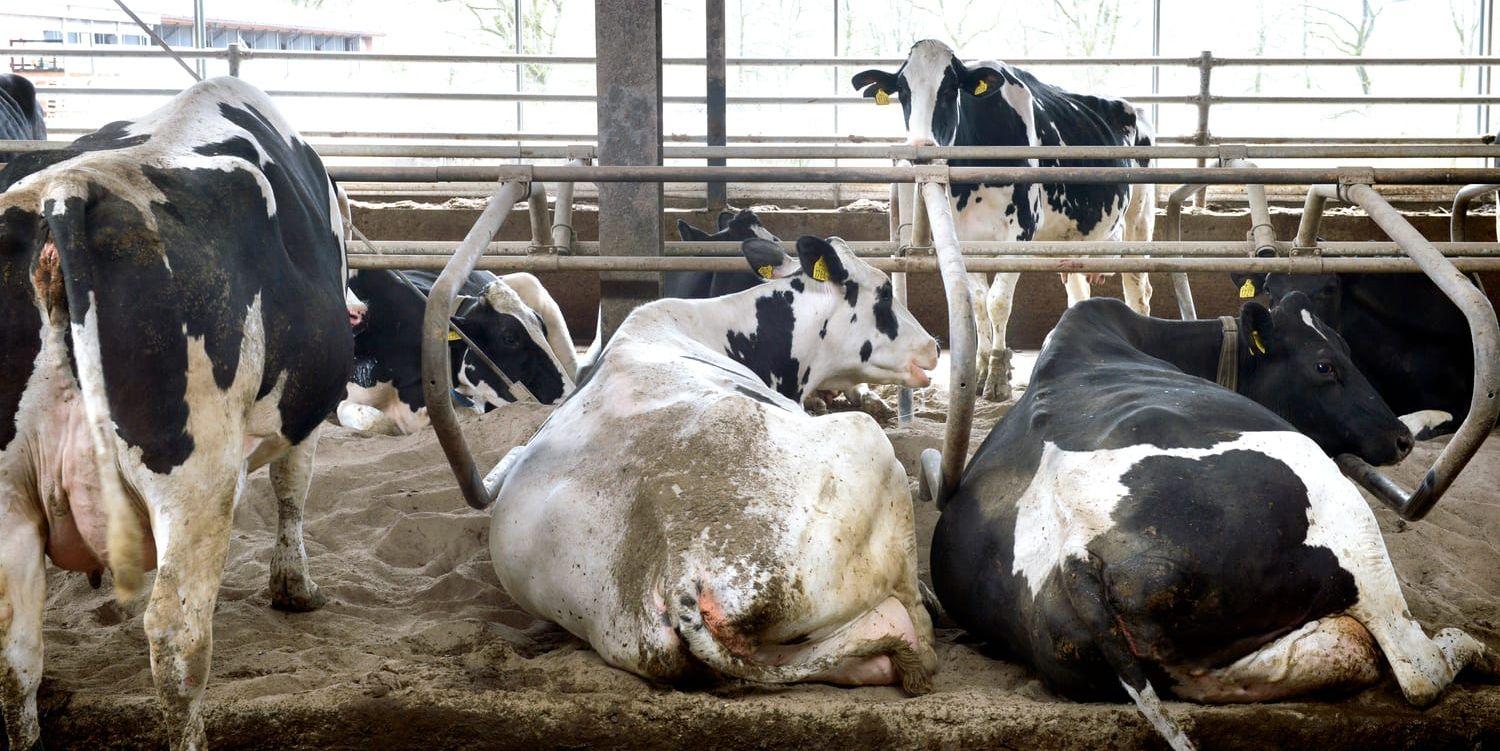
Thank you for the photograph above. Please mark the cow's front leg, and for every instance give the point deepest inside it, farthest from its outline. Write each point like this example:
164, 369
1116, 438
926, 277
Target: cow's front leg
1137, 288
1078, 288
996, 385
23, 592
979, 292
179, 618
292, 587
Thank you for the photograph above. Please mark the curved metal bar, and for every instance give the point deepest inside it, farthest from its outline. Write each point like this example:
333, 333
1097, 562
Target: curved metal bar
563, 235
964, 341
1186, 310
1312, 214
536, 209
1483, 405
1466, 195
437, 382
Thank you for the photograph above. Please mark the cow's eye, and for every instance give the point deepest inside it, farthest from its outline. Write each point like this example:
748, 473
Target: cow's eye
1325, 367
510, 339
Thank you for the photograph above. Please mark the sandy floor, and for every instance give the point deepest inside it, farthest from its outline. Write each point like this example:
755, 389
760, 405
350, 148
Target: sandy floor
420, 648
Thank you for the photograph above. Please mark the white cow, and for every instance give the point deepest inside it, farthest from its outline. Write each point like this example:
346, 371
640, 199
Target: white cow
681, 511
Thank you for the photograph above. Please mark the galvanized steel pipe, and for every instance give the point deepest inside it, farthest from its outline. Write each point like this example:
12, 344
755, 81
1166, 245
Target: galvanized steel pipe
1457, 232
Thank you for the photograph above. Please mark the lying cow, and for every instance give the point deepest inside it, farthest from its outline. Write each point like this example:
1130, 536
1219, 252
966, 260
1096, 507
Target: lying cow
1132, 526
514, 321
20, 113
171, 319
946, 102
695, 285
1404, 334
744, 536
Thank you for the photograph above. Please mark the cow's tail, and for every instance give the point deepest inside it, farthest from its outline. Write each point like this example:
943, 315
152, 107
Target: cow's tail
65, 208
695, 622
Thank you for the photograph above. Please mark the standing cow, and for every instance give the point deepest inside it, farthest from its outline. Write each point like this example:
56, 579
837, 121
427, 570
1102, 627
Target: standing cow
948, 103
171, 318
1132, 526
512, 319
681, 511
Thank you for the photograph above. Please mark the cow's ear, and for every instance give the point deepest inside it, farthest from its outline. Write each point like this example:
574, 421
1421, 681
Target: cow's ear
767, 259
819, 260
460, 318
982, 81
1249, 285
690, 233
877, 84
725, 217
1256, 328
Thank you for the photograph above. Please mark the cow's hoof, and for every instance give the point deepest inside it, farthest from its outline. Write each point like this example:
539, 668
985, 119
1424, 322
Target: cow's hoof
304, 600
815, 405
996, 386
876, 407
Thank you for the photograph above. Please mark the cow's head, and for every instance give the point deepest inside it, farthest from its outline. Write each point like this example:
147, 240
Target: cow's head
733, 227
1299, 367
929, 85
839, 320
514, 337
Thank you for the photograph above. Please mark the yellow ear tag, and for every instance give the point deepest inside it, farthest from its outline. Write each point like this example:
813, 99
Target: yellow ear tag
452, 335
881, 97
1247, 290
820, 270
1257, 343
765, 272
981, 87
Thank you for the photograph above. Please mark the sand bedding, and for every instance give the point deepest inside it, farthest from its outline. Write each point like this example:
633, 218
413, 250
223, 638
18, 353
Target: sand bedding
420, 648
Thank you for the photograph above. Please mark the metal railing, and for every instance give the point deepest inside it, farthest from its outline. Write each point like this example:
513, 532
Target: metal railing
1204, 100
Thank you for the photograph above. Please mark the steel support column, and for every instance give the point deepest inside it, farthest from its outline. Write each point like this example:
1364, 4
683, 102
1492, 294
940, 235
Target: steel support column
717, 94
628, 40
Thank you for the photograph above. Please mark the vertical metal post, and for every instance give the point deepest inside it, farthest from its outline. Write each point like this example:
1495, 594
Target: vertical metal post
1156, 52
520, 73
1486, 73
904, 407
718, 130
629, 112
200, 36
234, 59
1205, 93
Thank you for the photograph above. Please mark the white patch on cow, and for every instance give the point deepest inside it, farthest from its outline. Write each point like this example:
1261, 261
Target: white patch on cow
763, 233
559, 340
396, 417
1424, 420
1307, 318
924, 70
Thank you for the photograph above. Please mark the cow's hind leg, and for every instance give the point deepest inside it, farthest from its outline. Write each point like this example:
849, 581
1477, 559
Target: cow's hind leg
1077, 286
996, 385
194, 521
23, 592
1334, 653
292, 587
1137, 288
984, 329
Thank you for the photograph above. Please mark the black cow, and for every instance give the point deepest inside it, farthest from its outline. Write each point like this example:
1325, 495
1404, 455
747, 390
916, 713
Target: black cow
20, 112
697, 285
171, 319
948, 103
1132, 526
513, 320
1404, 334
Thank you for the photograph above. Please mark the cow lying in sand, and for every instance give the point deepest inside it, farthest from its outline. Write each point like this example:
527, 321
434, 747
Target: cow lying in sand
1131, 526
681, 511
513, 319
171, 319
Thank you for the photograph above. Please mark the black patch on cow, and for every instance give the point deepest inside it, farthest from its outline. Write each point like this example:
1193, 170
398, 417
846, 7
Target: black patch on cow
697, 285
823, 332
885, 312
865, 350
20, 113
504, 338
111, 137
21, 325
797, 284
767, 351
757, 396
851, 292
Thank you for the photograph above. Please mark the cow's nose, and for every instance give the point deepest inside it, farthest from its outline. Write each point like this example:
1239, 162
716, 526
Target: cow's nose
1404, 442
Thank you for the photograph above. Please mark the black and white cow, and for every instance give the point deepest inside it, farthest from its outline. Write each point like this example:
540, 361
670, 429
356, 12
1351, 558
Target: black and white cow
948, 103
20, 113
746, 537
1131, 526
1404, 334
171, 319
513, 319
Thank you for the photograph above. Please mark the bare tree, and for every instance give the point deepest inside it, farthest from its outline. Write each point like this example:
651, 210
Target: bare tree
1465, 17
1349, 36
540, 21
1089, 28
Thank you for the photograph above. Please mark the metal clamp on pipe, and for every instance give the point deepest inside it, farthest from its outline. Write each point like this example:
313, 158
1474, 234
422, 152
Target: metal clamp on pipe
1483, 405
437, 381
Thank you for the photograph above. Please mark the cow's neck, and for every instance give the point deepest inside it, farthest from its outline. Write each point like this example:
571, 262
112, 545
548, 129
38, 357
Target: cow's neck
771, 330
1192, 346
